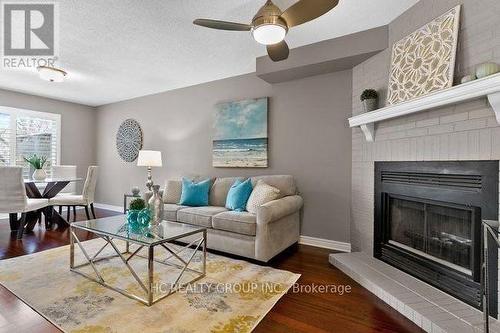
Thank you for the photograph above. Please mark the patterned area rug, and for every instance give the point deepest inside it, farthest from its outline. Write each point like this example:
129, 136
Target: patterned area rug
233, 297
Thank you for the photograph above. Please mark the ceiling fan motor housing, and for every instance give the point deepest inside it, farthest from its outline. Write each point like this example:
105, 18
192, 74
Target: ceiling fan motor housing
269, 14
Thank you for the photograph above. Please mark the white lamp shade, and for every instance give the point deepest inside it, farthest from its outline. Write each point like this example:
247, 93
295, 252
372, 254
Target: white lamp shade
149, 158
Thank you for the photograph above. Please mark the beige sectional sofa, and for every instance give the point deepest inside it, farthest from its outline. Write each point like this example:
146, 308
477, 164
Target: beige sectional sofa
260, 236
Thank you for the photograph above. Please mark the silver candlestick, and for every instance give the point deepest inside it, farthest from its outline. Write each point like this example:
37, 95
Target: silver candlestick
149, 183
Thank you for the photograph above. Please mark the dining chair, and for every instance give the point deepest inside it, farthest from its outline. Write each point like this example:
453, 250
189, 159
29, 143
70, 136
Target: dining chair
86, 199
65, 172
13, 197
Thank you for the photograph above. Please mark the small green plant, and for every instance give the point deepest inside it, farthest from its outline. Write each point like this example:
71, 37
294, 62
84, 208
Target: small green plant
36, 161
369, 94
137, 204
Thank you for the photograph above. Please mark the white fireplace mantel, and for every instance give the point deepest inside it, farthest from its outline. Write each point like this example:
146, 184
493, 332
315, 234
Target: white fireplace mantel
486, 87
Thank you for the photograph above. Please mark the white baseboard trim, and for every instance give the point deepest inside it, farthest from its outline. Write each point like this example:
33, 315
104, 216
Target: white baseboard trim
306, 240
109, 207
325, 243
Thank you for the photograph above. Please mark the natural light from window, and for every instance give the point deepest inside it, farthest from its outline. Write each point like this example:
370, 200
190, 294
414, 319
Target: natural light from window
24, 133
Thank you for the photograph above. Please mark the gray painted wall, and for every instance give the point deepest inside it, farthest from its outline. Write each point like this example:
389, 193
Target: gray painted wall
78, 133
308, 138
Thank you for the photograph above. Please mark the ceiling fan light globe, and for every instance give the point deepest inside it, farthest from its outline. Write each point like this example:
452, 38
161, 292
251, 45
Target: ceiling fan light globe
269, 34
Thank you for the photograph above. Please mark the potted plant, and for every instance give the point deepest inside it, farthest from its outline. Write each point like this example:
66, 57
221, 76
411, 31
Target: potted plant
37, 162
369, 97
138, 216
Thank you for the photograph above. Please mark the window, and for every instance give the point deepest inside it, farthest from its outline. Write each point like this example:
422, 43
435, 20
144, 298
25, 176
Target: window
23, 133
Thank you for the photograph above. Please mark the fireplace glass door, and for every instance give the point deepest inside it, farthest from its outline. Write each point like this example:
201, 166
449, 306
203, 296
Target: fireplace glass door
427, 223
437, 231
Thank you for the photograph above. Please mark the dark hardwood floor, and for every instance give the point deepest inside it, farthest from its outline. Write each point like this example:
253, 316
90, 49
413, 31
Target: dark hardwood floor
357, 311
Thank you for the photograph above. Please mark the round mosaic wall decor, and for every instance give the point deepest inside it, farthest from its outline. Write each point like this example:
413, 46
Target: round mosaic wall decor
129, 140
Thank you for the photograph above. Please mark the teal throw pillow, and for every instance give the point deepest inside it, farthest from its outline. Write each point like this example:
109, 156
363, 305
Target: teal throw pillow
238, 195
195, 194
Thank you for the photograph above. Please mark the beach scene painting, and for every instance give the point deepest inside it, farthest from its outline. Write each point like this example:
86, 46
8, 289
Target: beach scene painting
240, 134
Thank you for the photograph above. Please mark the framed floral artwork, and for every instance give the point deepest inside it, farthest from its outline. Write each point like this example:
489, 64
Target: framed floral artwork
424, 61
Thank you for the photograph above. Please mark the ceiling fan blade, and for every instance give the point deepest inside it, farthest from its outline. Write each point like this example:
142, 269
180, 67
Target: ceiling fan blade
306, 10
278, 52
222, 25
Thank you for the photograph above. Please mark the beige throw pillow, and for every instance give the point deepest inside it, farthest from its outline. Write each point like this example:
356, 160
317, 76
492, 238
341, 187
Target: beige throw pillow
261, 194
172, 192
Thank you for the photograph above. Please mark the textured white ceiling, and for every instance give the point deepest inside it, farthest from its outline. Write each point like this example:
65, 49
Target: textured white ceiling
120, 49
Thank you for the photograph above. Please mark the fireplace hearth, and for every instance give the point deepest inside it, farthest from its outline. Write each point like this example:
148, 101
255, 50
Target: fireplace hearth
428, 222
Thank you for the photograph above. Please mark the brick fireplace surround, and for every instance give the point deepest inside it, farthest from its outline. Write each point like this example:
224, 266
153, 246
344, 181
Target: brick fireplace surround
468, 131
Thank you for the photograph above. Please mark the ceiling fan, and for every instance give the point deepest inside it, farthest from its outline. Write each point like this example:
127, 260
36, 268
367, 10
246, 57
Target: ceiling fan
270, 25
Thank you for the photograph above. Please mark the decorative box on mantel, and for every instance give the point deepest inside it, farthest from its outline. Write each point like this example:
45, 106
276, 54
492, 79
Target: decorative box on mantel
486, 87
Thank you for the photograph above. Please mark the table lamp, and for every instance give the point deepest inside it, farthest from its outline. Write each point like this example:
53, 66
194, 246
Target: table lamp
149, 159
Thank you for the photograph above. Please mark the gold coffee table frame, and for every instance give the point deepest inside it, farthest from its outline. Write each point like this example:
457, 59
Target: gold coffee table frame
162, 242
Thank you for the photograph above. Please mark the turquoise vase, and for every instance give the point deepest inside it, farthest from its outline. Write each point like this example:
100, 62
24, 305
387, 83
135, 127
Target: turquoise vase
144, 217
132, 216
138, 220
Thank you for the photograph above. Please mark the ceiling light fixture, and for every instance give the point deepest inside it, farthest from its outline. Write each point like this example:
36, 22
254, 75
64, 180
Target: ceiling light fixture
270, 25
269, 34
51, 74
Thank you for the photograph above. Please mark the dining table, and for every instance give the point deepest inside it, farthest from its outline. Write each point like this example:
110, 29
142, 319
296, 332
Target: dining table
43, 189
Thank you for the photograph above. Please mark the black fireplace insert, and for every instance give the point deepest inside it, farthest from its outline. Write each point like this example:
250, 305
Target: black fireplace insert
428, 222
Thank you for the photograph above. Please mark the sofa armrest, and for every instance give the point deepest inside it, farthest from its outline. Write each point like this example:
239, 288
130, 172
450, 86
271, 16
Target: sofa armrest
277, 209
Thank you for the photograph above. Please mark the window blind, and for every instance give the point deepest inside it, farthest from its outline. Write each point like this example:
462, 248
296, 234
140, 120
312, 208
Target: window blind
36, 136
24, 133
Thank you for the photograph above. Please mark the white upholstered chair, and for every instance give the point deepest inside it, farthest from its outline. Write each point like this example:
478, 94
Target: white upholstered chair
65, 172
13, 197
86, 199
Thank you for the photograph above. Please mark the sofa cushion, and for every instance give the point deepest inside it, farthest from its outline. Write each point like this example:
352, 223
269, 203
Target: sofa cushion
239, 222
261, 194
284, 183
172, 192
170, 211
238, 195
195, 194
219, 190
201, 216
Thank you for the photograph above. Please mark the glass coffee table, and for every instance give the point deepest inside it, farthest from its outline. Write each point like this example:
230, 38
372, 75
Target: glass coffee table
111, 229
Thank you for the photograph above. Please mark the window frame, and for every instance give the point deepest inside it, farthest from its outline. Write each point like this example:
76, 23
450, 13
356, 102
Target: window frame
14, 113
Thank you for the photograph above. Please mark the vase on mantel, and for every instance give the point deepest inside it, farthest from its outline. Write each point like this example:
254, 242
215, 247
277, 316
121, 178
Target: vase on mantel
39, 174
487, 69
369, 99
370, 104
